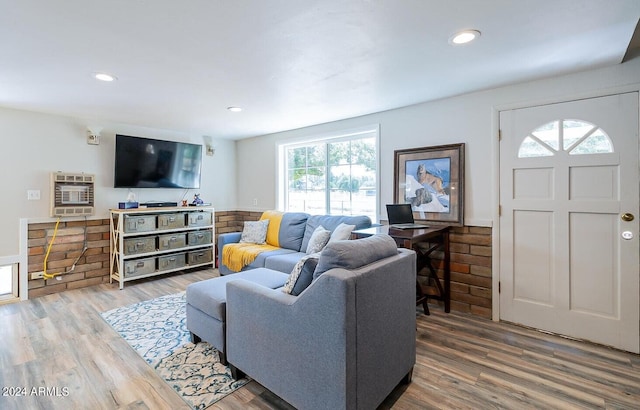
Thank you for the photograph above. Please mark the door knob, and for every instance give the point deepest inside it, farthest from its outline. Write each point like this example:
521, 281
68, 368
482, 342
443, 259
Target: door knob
627, 217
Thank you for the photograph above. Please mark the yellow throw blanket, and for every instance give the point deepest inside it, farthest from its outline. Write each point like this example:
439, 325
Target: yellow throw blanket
238, 255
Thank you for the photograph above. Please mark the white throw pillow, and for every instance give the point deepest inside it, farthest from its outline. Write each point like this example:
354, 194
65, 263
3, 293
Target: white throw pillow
342, 232
255, 232
302, 274
318, 240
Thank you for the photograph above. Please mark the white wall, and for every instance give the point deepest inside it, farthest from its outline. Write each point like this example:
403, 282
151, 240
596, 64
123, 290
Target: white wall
469, 118
34, 145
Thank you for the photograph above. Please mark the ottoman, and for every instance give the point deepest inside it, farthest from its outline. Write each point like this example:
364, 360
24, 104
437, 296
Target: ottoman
207, 303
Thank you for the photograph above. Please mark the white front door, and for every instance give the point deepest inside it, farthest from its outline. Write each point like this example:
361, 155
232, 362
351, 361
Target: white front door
569, 253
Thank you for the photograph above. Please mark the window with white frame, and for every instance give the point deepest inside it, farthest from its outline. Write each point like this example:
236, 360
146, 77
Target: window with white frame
575, 137
336, 174
8, 282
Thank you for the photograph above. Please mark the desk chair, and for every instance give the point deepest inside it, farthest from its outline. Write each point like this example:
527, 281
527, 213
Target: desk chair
424, 252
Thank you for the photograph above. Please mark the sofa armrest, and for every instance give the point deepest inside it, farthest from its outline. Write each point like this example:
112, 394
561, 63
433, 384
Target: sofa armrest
229, 237
223, 239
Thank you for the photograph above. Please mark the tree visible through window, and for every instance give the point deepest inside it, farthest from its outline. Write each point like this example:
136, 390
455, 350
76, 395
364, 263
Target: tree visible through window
335, 176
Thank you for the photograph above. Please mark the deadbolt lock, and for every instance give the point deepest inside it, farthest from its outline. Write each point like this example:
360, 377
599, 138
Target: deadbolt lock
627, 217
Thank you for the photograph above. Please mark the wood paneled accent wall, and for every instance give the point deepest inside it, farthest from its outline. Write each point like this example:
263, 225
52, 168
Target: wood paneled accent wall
470, 258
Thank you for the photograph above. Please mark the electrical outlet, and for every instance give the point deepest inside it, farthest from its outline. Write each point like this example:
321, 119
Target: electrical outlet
37, 275
33, 194
255, 201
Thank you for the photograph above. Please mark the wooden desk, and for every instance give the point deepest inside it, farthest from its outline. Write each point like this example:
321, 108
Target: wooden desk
416, 239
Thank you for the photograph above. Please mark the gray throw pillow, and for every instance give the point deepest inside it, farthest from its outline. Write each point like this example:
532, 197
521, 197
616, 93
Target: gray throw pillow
356, 253
318, 240
255, 232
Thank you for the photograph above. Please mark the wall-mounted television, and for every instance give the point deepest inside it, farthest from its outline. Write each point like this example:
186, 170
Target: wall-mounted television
149, 163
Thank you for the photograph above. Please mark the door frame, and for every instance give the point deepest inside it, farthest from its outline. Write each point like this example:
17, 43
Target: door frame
495, 136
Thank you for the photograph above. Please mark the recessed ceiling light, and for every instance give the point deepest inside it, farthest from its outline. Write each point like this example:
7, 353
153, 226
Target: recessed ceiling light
104, 77
464, 37
234, 109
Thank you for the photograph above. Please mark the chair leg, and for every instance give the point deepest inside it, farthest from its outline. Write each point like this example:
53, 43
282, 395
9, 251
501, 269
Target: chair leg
425, 307
421, 298
424, 261
431, 277
434, 277
236, 373
223, 358
195, 339
407, 377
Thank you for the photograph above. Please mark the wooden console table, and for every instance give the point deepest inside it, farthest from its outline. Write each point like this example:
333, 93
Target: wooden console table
435, 237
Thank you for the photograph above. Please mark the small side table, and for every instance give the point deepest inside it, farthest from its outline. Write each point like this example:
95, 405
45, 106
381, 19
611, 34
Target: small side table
437, 237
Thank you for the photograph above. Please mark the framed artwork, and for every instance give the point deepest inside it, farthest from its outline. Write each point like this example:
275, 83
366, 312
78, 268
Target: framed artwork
431, 179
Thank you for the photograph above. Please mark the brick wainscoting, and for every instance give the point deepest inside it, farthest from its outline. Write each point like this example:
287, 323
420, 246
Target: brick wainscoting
470, 249
91, 269
470, 264
470, 258
93, 266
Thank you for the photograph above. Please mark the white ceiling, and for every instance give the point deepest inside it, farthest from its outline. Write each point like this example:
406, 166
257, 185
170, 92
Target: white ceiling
288, 63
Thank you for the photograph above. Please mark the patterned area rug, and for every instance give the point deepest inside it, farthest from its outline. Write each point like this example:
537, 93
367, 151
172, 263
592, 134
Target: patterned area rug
157, 330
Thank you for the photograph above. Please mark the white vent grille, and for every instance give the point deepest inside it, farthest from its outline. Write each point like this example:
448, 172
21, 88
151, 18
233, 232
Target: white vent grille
72, 194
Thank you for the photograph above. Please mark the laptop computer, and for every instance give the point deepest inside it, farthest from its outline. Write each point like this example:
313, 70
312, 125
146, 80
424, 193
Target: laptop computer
401, 217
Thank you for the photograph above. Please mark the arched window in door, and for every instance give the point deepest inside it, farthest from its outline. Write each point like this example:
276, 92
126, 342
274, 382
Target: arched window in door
575, 137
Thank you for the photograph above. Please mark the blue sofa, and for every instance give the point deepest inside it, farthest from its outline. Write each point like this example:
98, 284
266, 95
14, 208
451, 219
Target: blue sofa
295, 231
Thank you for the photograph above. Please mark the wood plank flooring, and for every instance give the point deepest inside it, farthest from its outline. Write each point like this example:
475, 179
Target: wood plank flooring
60, 343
